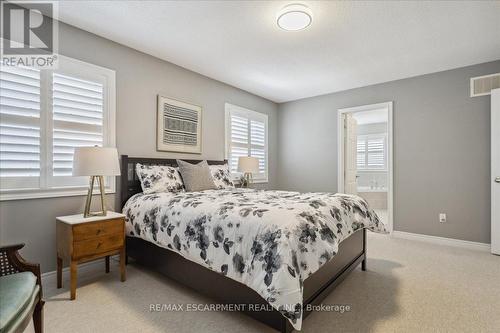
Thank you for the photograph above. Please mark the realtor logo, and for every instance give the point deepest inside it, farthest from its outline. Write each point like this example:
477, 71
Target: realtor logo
29, 33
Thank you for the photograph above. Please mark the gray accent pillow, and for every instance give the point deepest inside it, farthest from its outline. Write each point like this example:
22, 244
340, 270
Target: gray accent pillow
196, 177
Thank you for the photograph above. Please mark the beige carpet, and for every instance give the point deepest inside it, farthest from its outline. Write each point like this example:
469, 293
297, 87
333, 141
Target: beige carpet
410, 286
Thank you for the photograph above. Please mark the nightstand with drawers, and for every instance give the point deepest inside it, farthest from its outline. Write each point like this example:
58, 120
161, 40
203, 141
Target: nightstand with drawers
82, 239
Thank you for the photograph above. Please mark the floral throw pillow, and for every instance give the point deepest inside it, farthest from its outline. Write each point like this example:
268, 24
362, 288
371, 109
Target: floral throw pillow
221, 176
159, 178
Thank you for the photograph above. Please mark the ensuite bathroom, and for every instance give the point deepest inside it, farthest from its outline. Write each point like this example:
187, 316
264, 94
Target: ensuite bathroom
372, 159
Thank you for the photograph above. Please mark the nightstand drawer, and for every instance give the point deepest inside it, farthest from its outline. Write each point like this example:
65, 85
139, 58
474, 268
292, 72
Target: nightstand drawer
91, 247
91, 230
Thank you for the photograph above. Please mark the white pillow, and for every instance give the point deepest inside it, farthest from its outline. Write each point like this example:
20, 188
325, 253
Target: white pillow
159, 178
221, 176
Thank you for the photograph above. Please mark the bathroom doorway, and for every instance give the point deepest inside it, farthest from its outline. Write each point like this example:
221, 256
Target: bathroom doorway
365, 166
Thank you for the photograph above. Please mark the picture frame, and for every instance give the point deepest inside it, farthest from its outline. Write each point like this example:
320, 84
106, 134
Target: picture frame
178, 126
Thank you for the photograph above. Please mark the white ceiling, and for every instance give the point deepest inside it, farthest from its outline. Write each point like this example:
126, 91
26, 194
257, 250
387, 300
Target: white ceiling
348, 45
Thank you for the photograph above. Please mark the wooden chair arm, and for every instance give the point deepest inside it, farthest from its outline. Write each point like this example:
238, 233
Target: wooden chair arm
13, 247
15, 261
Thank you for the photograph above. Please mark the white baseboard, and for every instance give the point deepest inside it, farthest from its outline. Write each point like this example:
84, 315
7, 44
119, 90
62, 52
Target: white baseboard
85, 269
443, 241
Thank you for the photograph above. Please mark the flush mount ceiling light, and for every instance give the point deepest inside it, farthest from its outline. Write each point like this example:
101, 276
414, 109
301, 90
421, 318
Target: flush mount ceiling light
294, 17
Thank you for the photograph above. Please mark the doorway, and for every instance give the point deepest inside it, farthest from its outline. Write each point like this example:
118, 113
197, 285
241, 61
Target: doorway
365, 156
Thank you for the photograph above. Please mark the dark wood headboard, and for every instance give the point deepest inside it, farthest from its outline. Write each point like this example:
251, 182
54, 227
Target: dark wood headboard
129, 181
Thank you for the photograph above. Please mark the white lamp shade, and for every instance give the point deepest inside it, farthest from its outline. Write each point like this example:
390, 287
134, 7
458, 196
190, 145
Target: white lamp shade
95, 161
248, 164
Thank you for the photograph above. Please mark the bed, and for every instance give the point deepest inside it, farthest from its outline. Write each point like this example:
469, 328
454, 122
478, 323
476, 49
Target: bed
244, 247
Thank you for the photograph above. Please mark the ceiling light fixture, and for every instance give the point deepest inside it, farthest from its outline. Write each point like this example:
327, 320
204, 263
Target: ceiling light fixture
294, 17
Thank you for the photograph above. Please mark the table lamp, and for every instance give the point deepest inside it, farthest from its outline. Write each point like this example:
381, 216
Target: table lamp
95, 162
248, 165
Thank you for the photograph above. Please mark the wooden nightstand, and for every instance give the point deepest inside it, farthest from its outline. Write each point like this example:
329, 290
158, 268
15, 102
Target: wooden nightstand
82, 239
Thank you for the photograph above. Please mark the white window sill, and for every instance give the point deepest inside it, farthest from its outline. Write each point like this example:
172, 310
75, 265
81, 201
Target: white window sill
51, 193
255, 181
260, 181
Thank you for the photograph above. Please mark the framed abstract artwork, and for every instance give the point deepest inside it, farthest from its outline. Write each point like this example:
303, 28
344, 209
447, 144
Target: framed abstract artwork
178, 126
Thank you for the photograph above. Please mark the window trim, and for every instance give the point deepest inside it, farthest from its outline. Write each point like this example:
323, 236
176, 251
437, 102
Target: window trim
251, 115
109, 138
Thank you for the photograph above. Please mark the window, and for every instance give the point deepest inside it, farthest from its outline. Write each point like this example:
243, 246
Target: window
19, 127
44, 115
246, 135
372, 152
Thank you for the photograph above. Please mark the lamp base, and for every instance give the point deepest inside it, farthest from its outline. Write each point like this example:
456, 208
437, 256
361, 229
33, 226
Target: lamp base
88, 202
94, 214
248, 179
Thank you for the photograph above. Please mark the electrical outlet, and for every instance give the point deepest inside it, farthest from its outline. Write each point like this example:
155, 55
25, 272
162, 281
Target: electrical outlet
442, 218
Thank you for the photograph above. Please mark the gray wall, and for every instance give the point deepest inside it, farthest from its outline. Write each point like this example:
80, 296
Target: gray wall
441, 149
139, 78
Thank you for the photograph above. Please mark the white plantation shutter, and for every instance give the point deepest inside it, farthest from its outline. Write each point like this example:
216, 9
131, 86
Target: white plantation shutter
77, 107
239, 139
19, 126
372, 152
246, 135
258, 143
361, 152
376, 152
44, 115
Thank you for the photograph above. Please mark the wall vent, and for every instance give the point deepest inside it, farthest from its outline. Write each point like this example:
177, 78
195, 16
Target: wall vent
482, 85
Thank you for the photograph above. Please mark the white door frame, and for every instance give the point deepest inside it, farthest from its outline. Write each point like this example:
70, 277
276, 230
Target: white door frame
390, 166
495, 171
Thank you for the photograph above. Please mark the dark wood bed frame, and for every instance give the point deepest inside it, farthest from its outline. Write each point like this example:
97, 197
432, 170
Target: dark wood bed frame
224, 290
